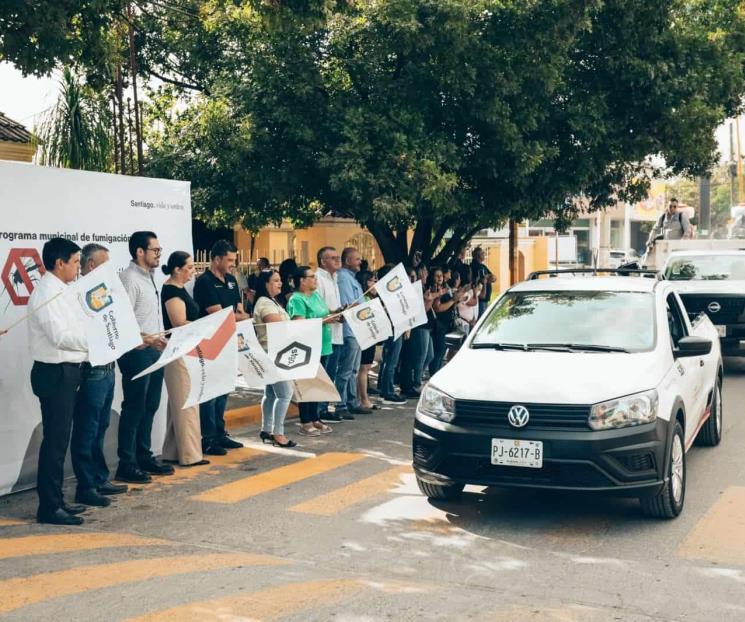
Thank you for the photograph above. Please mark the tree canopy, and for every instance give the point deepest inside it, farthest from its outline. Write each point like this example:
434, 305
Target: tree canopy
441, 116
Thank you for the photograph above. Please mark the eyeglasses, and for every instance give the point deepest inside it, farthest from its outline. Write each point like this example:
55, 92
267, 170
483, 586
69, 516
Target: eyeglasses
309, 276
158, 250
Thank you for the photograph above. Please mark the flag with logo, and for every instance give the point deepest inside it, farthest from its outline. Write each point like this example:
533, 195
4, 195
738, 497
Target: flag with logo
295, 348
210, 352
254, 364
106, 312
402, 300
318, 389
369, 323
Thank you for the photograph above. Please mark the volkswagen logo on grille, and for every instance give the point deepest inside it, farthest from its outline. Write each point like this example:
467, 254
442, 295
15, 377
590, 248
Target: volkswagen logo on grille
518, 416
714, 307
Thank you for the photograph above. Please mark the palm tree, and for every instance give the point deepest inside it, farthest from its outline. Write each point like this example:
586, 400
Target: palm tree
75, 133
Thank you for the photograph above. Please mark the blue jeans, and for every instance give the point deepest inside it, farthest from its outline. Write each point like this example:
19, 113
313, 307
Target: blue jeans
212, 420
346, 375
141, 402
90, 422
388, 363
274, 407
439, 348
411, 371
331, 365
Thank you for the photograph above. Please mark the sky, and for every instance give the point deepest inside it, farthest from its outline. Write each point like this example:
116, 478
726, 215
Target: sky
26, 99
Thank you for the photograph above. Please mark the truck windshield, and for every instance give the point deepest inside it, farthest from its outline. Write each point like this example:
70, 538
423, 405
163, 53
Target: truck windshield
706, 268
575, 319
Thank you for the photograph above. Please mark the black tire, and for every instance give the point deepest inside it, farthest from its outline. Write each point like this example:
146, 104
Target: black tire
711, 432
668, 503
445, 492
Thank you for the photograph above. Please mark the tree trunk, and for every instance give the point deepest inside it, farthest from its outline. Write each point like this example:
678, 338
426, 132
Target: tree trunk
133, 73
514, 259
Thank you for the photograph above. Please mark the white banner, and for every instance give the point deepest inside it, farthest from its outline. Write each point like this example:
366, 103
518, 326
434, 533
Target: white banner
38, 203
109, 321
213, 362
402, 300
254, 364
295, 348
318, 389
369, 323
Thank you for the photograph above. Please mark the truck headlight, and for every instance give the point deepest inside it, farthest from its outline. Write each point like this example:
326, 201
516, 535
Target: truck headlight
625, 411
437, 404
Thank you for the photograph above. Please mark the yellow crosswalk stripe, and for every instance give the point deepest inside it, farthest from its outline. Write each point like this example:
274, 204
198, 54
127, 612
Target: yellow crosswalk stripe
269, 604
276, 478
342, 499
720, 535
65, 542
24, 591
9, 522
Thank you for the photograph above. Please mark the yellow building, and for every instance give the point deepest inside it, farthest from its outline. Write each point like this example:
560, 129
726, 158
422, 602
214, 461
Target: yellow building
15, 141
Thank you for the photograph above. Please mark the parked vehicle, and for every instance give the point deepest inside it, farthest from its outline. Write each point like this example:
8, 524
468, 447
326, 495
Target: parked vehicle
593, 383
713, 282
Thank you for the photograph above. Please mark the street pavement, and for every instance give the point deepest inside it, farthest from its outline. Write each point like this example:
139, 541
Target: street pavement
338, 531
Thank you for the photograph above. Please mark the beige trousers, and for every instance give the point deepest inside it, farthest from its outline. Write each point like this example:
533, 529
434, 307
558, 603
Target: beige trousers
183, 432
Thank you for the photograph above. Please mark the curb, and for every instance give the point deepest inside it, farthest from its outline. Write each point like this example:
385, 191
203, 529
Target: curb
238, 418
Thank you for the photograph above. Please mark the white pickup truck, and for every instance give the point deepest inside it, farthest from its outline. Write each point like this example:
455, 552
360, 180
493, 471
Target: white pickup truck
590, 383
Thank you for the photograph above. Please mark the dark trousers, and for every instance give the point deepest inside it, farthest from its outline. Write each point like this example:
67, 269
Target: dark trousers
439, 345
56, 386
212, 420
140, 403
308, 412
413, 363
391, 352
330, 364
90, 422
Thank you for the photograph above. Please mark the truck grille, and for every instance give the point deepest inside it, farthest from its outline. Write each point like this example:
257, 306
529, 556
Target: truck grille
494, 414
731, 307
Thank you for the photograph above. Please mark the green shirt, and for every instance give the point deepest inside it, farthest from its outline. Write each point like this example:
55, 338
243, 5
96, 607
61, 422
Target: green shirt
310, 307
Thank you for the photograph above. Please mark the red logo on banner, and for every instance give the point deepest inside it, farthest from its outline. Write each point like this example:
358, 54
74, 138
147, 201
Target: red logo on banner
212, 347
17, 272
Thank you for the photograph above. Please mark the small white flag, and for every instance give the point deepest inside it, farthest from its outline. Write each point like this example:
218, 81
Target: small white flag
295, 347
108, 319
369, 323
254, 363
402, 300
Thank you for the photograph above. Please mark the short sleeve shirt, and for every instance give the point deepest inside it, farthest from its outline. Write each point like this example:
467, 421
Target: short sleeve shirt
210, 291
266, 306
310, 307
173, 291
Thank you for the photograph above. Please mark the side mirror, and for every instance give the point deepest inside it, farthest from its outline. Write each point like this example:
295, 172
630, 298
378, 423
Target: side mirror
693, 346
454, 340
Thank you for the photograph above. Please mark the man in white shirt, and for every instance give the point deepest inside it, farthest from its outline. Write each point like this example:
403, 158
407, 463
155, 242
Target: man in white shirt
329, 262
58, 348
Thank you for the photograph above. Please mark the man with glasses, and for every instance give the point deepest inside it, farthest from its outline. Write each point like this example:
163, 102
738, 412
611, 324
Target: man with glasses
141, 396
329, 262
672, 225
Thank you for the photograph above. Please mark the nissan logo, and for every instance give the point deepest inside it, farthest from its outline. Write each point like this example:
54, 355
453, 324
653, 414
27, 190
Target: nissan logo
714, 307
518, 416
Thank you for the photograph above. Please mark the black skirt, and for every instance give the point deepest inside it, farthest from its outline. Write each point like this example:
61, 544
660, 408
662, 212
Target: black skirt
368, 356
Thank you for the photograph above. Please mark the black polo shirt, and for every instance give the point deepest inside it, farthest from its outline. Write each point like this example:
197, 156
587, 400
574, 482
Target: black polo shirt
210, 291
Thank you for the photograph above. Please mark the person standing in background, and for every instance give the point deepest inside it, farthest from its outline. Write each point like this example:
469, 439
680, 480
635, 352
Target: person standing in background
183, 442
142, 396
329, 263
58, 348
93, 415
480, 273
215, 290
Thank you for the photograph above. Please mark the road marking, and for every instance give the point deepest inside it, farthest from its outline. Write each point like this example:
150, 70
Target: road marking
8, 522
342, 499
232, 460
272, 449
65, 542
276, 478
24, 591
268, 604
720, 535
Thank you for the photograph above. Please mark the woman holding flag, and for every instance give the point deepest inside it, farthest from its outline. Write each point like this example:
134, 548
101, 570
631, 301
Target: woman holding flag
183, 442
305, 304
277, 396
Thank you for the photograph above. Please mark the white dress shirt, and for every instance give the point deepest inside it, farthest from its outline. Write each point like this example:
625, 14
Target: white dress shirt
329, 289
55, 331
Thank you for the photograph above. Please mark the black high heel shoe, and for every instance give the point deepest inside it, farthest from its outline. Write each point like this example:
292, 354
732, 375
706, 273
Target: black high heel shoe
266, 437
289, 443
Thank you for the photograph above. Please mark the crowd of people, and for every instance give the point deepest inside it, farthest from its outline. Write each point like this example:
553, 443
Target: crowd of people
76, 397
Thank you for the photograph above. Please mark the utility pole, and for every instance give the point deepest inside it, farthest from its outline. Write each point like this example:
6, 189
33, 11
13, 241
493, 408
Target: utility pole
732, 164
514, 261
133, 74
740, 188
704, 187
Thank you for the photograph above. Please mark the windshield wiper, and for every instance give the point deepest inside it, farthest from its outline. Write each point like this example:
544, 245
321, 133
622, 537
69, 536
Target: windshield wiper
589, 347
499, 346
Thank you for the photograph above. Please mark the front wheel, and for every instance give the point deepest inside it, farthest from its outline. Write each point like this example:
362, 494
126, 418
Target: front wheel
668, 503
711, 432
443, 492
